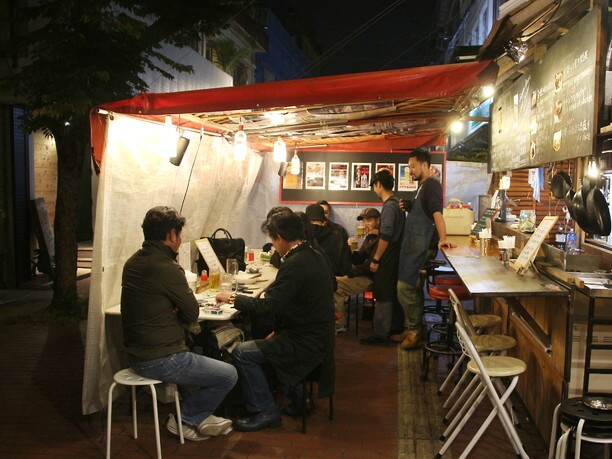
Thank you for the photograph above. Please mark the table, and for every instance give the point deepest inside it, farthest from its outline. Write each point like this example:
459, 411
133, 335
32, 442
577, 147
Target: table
228, 312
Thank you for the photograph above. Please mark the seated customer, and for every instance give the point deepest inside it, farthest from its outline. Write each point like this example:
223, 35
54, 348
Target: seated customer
332, 243
359, 278
301, 301
327, 210
156, 307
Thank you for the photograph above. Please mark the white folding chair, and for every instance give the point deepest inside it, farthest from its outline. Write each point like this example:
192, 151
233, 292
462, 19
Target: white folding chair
489, 344
487, 368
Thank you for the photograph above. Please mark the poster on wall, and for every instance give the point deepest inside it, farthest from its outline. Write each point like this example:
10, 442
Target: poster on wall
315, 175
360, 178
292, 182
435, 170
338, 176
404, 180
388, 166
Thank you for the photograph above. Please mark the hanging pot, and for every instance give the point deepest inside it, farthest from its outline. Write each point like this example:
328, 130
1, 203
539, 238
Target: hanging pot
598, 212
580, 211
560, 184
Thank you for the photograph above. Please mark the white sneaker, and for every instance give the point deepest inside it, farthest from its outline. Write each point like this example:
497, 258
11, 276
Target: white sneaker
189, 432
214, 426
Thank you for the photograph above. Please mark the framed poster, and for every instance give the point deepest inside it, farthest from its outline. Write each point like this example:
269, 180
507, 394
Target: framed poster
291, 181
360, 176
388, 166
338, 176
404, 180
436, 171
315, 175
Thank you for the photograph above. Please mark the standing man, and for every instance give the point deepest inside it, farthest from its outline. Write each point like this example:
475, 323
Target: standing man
424, 218
156, 307
384, 263
301, 302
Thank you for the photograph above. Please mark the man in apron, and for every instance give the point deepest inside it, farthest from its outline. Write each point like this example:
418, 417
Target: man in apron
424, 218
384, 263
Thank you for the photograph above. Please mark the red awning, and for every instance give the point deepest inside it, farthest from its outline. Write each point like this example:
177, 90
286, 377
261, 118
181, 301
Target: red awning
376, 111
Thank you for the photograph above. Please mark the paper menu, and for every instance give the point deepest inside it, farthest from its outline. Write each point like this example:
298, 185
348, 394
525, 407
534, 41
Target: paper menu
209, 254
535, 241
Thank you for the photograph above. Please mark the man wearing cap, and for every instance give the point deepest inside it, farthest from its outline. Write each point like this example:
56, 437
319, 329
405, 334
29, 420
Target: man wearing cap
336, 249
359, 278
338, 228
384, 263
425, 218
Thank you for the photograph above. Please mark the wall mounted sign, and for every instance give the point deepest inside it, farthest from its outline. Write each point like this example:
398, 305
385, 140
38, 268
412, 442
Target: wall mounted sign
550, 113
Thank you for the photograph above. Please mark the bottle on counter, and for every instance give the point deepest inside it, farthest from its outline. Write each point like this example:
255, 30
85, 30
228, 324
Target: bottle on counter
571, 243
560, 238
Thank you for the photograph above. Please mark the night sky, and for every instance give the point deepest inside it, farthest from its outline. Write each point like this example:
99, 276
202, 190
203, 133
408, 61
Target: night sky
379, 34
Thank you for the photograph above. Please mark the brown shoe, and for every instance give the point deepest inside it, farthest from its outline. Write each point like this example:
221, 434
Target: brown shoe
413, 339
400, 337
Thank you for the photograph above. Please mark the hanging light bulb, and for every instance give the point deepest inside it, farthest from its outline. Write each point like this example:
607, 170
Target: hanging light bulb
456, 126
280, 151
488, 91
593, 169
295, 163
240, 144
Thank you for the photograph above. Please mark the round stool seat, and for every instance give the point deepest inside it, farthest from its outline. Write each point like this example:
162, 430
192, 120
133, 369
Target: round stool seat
485, 320
447, 279
440, 292
129, 377
493, 343
596, 421
498, 366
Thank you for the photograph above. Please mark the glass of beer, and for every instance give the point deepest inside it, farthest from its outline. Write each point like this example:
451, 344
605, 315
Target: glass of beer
214, 278
361, 230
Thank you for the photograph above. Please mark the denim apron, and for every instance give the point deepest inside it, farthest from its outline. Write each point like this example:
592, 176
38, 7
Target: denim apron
418, 231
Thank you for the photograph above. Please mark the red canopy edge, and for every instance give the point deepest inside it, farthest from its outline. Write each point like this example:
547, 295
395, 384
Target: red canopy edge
412, 83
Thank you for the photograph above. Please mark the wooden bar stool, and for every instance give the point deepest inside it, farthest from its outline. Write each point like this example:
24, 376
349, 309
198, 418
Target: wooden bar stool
129, 377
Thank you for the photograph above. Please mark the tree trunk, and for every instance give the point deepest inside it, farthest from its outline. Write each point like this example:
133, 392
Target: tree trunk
70, 157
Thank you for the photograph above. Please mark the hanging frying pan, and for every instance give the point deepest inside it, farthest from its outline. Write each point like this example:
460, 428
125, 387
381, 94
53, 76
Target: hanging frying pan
580, 211
598, 212
560, 184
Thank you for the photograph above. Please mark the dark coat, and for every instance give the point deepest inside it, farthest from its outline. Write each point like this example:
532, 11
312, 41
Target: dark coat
335, 247
301, 300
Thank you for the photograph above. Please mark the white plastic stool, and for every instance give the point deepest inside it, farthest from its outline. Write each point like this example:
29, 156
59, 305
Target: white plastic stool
129, 377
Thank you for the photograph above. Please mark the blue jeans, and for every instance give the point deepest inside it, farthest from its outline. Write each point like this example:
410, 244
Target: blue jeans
203, 382
250, 362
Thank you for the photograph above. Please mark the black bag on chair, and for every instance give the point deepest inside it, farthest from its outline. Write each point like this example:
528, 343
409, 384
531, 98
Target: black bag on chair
225, 247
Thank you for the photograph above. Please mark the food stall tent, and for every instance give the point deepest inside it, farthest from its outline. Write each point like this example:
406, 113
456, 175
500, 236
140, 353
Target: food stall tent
133, 140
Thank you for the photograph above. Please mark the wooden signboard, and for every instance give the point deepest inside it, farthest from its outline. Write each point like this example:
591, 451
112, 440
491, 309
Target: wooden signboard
550, 113
530, 249
209, 255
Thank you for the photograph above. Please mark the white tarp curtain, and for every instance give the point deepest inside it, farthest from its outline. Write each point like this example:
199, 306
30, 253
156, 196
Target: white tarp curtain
209, 188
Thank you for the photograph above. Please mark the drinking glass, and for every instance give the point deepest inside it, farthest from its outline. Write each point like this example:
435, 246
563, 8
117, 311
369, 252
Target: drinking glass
227, 282
231, 267
361, 230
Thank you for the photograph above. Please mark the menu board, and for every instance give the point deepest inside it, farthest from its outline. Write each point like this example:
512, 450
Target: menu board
549, 113
535, 241
482, 221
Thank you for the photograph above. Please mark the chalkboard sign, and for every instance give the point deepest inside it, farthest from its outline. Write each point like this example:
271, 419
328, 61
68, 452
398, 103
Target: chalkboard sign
344, 177
482, 222
549, 114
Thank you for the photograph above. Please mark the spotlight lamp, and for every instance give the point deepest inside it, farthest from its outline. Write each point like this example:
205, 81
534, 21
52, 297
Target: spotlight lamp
456, 127
240, 144
280, 151
181, 147
516, 50
488, 91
